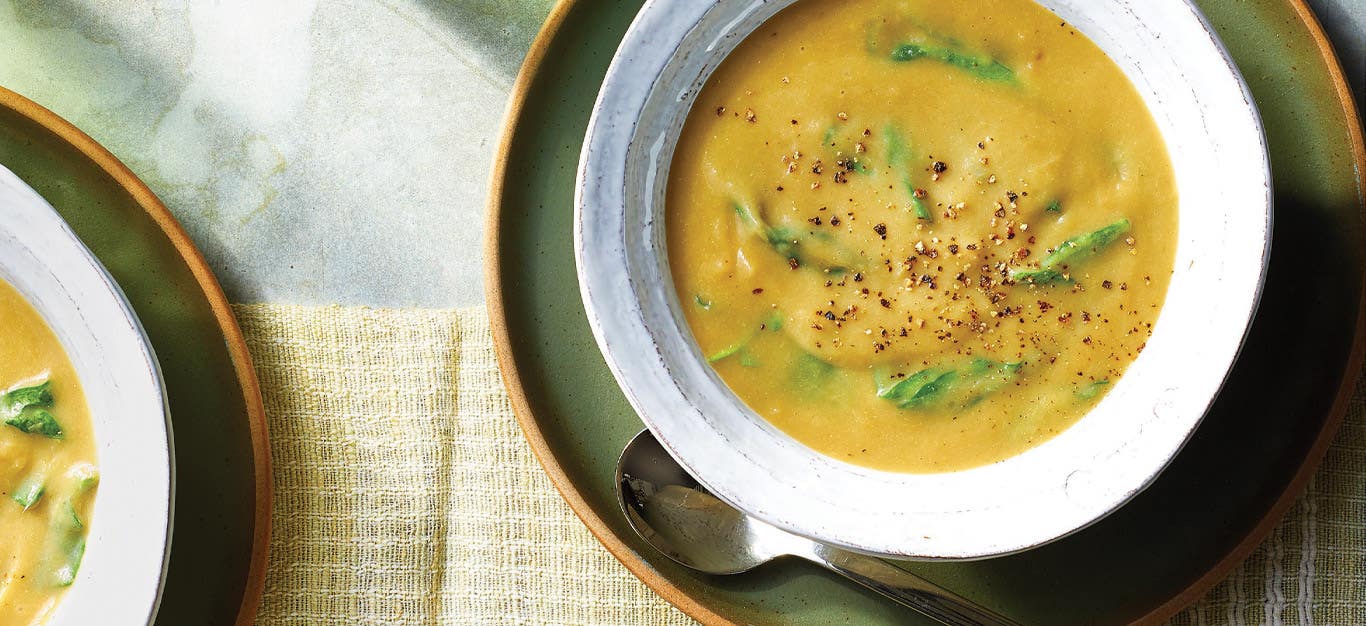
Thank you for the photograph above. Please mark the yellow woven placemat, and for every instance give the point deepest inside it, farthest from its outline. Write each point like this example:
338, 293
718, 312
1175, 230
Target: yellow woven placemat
405, 494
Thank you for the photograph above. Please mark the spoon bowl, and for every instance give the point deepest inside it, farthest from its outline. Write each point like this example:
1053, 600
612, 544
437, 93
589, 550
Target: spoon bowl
673, 512
680, 518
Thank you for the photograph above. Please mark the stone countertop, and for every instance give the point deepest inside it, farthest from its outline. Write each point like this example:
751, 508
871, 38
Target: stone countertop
318, 151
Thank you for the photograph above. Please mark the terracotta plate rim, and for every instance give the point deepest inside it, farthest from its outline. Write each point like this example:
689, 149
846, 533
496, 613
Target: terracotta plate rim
493, 281
218, 303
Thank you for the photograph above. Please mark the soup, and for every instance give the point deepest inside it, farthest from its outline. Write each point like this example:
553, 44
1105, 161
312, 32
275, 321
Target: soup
920, 236
47, 466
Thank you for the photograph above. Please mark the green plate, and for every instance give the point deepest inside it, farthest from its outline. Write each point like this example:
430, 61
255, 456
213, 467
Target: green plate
222, 491
1229, 487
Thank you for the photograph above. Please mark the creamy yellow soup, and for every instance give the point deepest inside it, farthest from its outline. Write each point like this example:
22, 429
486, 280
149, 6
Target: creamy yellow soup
47, 466
919, 235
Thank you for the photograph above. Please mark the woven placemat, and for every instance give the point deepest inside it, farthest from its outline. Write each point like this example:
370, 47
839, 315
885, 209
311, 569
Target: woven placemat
405, 494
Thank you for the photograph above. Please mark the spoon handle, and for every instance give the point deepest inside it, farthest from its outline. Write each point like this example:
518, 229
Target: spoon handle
907, 588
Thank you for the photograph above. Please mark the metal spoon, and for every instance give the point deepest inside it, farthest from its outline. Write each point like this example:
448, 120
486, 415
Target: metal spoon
676, 515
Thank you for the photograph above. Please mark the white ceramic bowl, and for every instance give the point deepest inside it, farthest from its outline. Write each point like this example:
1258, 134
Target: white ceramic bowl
121, 575
1219, 155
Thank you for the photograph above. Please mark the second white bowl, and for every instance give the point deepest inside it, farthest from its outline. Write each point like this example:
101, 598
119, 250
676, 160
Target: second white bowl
122, 572
1219, 154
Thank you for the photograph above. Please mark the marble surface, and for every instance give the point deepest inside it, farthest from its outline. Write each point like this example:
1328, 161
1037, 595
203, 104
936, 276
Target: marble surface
319, 151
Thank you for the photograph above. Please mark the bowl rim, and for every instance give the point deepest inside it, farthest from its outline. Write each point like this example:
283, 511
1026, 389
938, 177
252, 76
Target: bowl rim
593, 271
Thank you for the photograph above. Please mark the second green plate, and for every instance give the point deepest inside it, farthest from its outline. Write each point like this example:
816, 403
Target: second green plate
222, 491
1222, 494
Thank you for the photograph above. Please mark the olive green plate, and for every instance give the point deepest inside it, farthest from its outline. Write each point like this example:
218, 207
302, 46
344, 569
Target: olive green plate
1229, 487
222, 491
